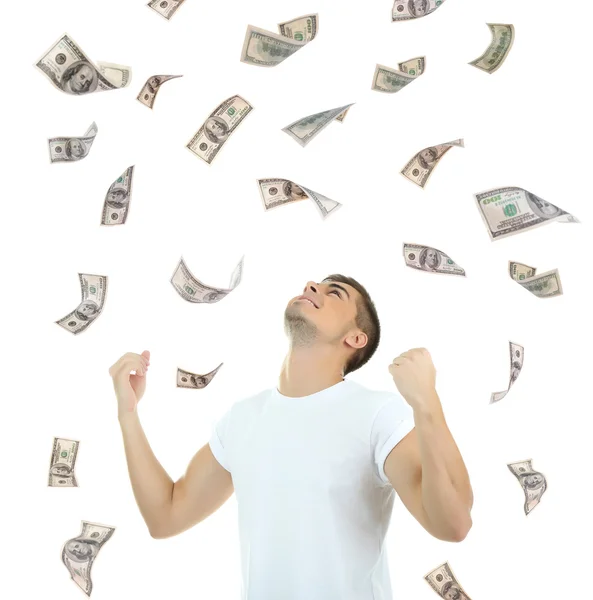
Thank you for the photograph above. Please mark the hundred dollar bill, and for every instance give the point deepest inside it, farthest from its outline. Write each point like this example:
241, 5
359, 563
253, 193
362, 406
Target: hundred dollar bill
186, 379
62, 463
510, 210
190, 288
94, 292
70, 149
545, 285
79, 553
71, 71
165, 8
533, 482
386, 79
117, 199
278, 192
502, 40
445, 584
266, 49
305, 129
150, 89
420, 167
429, 259
217, 128
517, 352
404, 10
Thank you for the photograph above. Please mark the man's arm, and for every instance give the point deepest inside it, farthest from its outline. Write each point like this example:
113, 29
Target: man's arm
170, 508
426, 468
429, 475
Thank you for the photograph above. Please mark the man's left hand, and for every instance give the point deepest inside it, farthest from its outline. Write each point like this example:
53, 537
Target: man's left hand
414, 376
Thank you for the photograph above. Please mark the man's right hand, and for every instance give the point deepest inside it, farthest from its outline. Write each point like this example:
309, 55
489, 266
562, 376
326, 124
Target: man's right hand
129, 387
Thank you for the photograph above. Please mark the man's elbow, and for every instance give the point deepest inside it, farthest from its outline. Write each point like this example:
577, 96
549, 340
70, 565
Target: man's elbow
460, 532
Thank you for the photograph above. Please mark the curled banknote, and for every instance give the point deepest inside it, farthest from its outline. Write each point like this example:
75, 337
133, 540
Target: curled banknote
422, 164
165, 8
150, 89
305, 129
79, 553
62, 463
404, 10
517, 352
445, 584
186, 379
94, 292
429, 259
510, 210
498, 49
278, 192
386, 79
117, 199
267, 49
71, 71
217, 128
190, 288
533, 482
70, 149
545, 285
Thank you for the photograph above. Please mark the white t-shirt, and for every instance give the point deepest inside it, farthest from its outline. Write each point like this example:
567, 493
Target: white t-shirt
314, 503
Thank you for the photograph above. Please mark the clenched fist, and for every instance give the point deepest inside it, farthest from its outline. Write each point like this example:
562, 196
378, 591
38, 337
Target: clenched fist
129, 387
414, 376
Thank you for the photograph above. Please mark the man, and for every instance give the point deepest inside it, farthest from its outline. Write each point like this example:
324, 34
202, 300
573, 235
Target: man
75, 148
542, 208
428, 157
117, 197
79, 78
316, 461
418, 8
429, 259
216, 130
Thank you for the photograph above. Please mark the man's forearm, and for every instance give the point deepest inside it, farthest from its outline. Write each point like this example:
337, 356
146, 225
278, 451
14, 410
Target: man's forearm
153, 488
446, 491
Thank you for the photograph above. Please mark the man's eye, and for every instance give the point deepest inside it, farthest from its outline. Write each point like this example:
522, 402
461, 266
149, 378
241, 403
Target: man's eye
336, 292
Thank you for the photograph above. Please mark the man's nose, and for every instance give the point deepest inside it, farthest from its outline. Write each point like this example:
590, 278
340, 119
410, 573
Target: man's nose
312, 286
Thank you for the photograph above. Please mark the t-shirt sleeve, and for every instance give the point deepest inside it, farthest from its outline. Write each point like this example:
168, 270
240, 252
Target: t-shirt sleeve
392, 423
219, 438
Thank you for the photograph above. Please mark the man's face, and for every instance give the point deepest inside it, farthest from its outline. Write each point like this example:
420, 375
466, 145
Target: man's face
61, 470
546, 207
87, 309
533, 479
215, 128
116, 195
297, 191
79, 549
328, 321
432, 258
76, 148
420, 7
83, 79
454, 593
427, 155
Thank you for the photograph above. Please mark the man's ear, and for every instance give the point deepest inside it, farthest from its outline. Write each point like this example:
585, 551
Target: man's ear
357, 340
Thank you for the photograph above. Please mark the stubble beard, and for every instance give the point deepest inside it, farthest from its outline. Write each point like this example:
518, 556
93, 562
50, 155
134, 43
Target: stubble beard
300, 331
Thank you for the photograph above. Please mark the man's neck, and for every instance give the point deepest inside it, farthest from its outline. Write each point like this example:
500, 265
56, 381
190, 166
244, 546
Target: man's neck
308, 370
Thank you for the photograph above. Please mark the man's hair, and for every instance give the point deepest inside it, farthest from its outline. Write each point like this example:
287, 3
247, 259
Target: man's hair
366, 318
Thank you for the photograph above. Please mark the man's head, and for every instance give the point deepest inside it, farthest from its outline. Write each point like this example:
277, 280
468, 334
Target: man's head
341, 314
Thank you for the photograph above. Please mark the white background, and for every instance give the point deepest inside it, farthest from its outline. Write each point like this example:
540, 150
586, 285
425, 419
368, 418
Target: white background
525, 125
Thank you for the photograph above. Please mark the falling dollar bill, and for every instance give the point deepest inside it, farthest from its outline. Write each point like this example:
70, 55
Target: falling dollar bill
150, 89
546, 285
386, 79
165, 8
429, 259
117, 199
445, 584
71, 71
533, 482
190, 288
306, 128
267, 49
70, 149
62, 463
79, 553
502, 40
517, 352
278, 192
217, 128
420, 167
404, 10
186, 379
510, 210
94, 291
